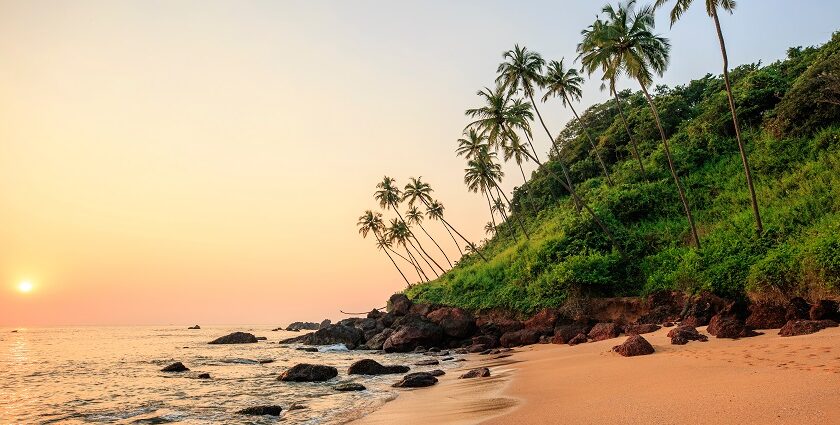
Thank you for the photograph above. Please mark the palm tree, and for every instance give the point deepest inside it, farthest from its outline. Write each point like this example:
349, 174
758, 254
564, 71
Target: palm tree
435, 212
711, 9
415, 190
371, 222
565, 83
388, 195
626, 44
471, 145
489, 229
515, 150
398, 233
484, 173
414, 216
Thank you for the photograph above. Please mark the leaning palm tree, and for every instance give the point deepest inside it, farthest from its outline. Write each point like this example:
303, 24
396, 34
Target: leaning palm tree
414, 216
625, 44
398, 234
565, 84
489, 229
416, 190
516, 151
484, 174
388, 195
435, 212
470, 145
371, 222
712, 10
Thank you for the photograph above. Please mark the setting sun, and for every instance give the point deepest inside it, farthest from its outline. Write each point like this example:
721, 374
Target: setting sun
25, 286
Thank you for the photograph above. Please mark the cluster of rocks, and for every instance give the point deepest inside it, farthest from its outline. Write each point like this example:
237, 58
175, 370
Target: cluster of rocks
307, 326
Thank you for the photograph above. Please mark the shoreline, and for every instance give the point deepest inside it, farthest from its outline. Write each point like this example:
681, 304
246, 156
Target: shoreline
764, 379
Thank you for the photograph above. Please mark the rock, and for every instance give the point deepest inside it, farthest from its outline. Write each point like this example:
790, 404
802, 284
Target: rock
419, 349
443, 359
797, 309
602, 331
261, 338
307, 349
175, 367
304, 372
399, 304
455, 322
729, 327
265, 361
297, 406
324, 323
261, 410
544, 321
429, 362
825, 310
489, 341
420, 309
481, 372
349, 386
415, 380
805, 327
476, 348
564, 333
766, 316
699, 309
682, 334
641, 329
437, 372
497, 323
578, 339
662, 306
635, 345
194, 327
332, 334
502, 356
302, 326
204, 375
377, 341
372, 367
668, 324
374, 314
412, 331
521, 337
235, 338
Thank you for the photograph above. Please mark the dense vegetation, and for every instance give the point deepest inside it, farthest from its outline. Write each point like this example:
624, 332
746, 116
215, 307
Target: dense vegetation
614, 223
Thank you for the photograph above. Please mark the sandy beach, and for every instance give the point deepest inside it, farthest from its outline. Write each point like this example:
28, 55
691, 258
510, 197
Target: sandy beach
766, 379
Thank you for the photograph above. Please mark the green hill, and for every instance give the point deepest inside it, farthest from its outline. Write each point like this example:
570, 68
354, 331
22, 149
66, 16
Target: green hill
790, 117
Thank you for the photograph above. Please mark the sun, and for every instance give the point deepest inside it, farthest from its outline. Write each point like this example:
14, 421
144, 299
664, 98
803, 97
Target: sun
25, 286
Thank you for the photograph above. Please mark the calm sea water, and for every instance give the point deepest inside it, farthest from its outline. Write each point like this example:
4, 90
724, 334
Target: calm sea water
112, 375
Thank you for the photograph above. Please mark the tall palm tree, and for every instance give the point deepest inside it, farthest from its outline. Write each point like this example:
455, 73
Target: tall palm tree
712, 10
398, 233
565, 83
484, 173
471, 145
414, 216
435, 212
489, 229
371, 222
516, 151
388, 195
625, 44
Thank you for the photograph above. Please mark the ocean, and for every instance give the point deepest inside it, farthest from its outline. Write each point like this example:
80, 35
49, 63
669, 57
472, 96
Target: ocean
82, 375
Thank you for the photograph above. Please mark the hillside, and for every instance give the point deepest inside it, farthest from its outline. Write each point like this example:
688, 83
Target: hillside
790, 118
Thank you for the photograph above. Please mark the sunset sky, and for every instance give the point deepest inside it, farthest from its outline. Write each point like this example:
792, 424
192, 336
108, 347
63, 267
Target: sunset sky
206, 161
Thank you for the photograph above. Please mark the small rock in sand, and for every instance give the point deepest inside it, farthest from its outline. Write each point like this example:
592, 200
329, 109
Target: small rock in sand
635, 345
261, 410
175, 367
416, 380
437, 372
203, 376
430, 362
349, 386
481, 372
805, 327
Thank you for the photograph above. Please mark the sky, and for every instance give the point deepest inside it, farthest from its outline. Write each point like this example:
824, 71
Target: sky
206, 161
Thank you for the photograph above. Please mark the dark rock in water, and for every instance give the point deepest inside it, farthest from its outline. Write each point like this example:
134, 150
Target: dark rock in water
578, 339
297, 406
412, 331
602, 331
443, 359
175, 367
635, 345
415, 380
235, 338
456, 322
374, 314
805, 327
194, 327
682, 334
641, 329
481, 372
825, 310
437, 372
304, 372
203, 376
265, 361
262, 338
302, 326
377, 341
15, 331
797, 309
430, 362
324, 323
521, 337
332, 334
363, 347
261, 410
477, 348
564, 333
434, 350
372, 367
349, 386
399, 304
307, 349
766, 316
276, 329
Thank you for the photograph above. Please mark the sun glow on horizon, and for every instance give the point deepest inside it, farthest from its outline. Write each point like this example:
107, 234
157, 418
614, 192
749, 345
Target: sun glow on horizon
25, 287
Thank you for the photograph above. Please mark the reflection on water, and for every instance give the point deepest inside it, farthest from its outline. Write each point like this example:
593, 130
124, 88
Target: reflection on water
112, 375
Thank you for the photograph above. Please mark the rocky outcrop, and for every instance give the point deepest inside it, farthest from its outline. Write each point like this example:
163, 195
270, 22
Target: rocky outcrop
261, 411
411, 331
635, 345
682, 334
349, 386
565, 333
455, 322
578, 339
372, 367
805, 327
825, 310
194, 327
303, 326
175, 367
416, 380
428, 362
602, 331
797, 309
729, 327
304, 372
235, 338
645, 328
520, 337
399, 304
766, 316
699, 309
544, 321
324, 323
481, 372
377, 341
332, 334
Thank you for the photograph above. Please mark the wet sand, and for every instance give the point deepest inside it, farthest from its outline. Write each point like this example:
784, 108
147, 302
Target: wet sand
762, 380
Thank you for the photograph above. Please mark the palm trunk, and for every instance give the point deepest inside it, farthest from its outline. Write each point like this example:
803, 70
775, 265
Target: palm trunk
436, 244
467, 241
568, 188
394, 207
492, 215
671, 166
457, 245
627, 128
524, 179
425, 260
510, 228
518, 219
569, 184
591, 143
416, 264
398, 268
758, 225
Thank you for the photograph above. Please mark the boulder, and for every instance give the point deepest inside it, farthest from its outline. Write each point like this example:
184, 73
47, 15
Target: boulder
635, 345
304, 372
332, 334
645, 328
578, 339
175, 367
489, 341
235, 338
682, 334
497, 323
663, 306
729, 327
261, 411
324, 323
416, 380
376, 342
544, 321
455, 322
477, 348
521, 337
437, 372
410, 332
204, 375
766, 316
429, 362
194, 327
805, 327
565, 333
372, 367
481, 372
797, 309
262, 338
349, 386
374, 314
602, 331
825, 310
302, 326
420, 309
699, 309
399, 304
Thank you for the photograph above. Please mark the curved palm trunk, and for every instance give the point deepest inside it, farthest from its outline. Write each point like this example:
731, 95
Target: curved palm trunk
518, 219
420, 272
394, 207
424, 258
630, 136
524, 179
565, 185
436, 244
758, 225
671, 166
457, 245
467, 241
510, 228
398, 267
591, 142
492, 215
569, 185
